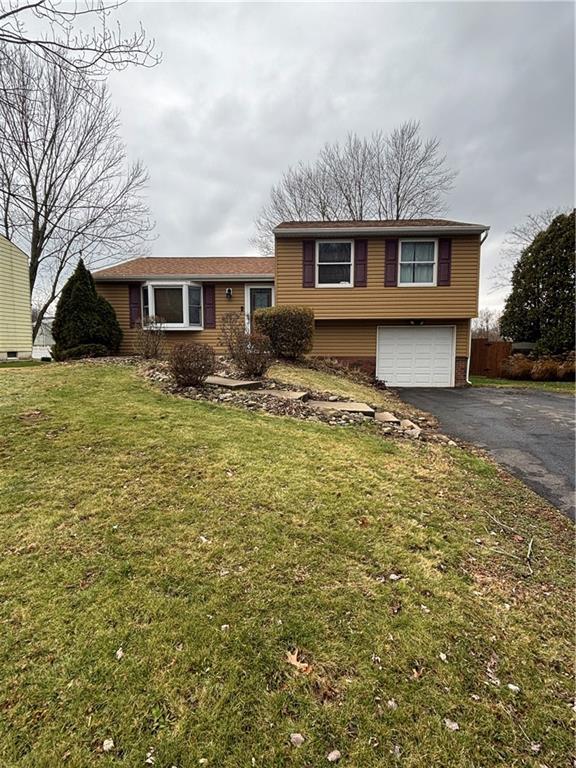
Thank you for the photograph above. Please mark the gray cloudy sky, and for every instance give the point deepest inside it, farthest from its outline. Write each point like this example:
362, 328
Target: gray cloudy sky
245, 90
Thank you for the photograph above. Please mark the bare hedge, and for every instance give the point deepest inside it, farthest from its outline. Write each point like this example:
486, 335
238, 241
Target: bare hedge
290, 329
191, 364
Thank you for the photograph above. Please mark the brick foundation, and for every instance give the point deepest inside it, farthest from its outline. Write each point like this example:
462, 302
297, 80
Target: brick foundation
460, 372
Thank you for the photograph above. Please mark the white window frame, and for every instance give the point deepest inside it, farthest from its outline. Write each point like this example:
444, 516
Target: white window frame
247, 288
185, 304
334, 285
434, 266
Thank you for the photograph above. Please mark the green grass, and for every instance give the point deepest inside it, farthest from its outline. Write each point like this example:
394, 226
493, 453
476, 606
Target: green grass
106, 488
21, 363
567, 387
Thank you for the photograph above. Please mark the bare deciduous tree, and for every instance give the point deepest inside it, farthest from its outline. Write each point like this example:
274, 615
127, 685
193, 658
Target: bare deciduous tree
66, 188
395, 176
517, 240
75, 36
486, 325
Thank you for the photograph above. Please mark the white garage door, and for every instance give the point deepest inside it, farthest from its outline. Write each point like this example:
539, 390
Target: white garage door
415, 356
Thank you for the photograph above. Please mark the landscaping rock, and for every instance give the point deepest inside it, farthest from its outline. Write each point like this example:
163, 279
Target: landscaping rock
229, 383
348, 407
288, 394
407, 424
387, 418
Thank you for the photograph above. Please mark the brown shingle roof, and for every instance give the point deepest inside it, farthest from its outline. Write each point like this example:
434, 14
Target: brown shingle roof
218, 267
377, 224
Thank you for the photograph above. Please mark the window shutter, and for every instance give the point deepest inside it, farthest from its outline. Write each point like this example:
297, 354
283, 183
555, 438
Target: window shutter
444, 261
308, 265
360, 263
135, 304
391, 262
209, 302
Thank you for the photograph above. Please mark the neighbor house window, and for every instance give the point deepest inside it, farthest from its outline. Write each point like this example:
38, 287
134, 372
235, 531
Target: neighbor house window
334, 262
417, 262
175, 305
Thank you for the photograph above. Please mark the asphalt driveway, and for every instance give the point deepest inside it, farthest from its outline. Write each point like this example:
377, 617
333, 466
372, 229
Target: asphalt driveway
529, 432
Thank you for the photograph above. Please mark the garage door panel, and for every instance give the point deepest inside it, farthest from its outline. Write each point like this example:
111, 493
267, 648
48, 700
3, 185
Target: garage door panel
420, 356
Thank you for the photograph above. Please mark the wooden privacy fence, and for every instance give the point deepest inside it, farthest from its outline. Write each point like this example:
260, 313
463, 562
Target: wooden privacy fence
486, 356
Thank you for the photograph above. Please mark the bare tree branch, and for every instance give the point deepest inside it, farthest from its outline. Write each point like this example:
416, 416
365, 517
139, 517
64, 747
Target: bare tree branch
517, 240
67, 40
396, 176
486, 325
66, 188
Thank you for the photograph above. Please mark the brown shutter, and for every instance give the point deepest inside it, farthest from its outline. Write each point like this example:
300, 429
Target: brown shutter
360, 263
209, 301
135, 303
391, 262
308, 265
444, 261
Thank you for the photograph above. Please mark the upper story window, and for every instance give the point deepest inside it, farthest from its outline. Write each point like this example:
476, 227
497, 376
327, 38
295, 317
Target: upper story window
417, 262
334, 263
175, 305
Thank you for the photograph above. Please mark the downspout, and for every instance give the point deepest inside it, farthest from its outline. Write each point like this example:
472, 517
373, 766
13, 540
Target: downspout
483, 238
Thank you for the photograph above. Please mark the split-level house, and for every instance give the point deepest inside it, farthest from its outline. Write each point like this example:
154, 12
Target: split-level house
396, 297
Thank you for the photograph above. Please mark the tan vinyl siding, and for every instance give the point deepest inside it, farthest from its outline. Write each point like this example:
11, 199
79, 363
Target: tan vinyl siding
15, 314
117, 294
357, 338
458, 300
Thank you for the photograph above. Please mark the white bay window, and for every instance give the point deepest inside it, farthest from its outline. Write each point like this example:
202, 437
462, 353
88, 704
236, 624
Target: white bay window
174, 305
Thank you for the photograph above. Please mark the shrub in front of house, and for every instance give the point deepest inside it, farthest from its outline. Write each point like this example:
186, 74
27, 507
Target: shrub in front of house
84, 321
150, 340
545, 369
290, 329
250, 351
191, 364
567, 369
516, 367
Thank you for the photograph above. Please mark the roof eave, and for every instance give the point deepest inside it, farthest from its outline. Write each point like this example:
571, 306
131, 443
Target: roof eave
167, 276
475, 229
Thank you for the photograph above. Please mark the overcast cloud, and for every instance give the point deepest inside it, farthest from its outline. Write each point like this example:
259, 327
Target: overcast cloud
245, 90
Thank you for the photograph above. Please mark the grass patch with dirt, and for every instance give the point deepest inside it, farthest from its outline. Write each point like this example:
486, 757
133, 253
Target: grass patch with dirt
562, 387
208, 543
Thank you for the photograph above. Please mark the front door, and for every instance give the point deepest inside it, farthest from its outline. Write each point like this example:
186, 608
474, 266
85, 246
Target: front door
257, 297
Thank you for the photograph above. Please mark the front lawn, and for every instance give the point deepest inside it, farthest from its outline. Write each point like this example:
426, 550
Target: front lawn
161, 558
21, 363
566, 387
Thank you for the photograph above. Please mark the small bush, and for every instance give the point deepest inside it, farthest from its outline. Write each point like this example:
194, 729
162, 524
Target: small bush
545, 369
567, 370
79, 352
191, 364
150, 340
290, 329
516, 367
251, 351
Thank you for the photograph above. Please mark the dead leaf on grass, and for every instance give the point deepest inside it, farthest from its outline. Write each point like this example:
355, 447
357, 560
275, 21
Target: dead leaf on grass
300, 666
